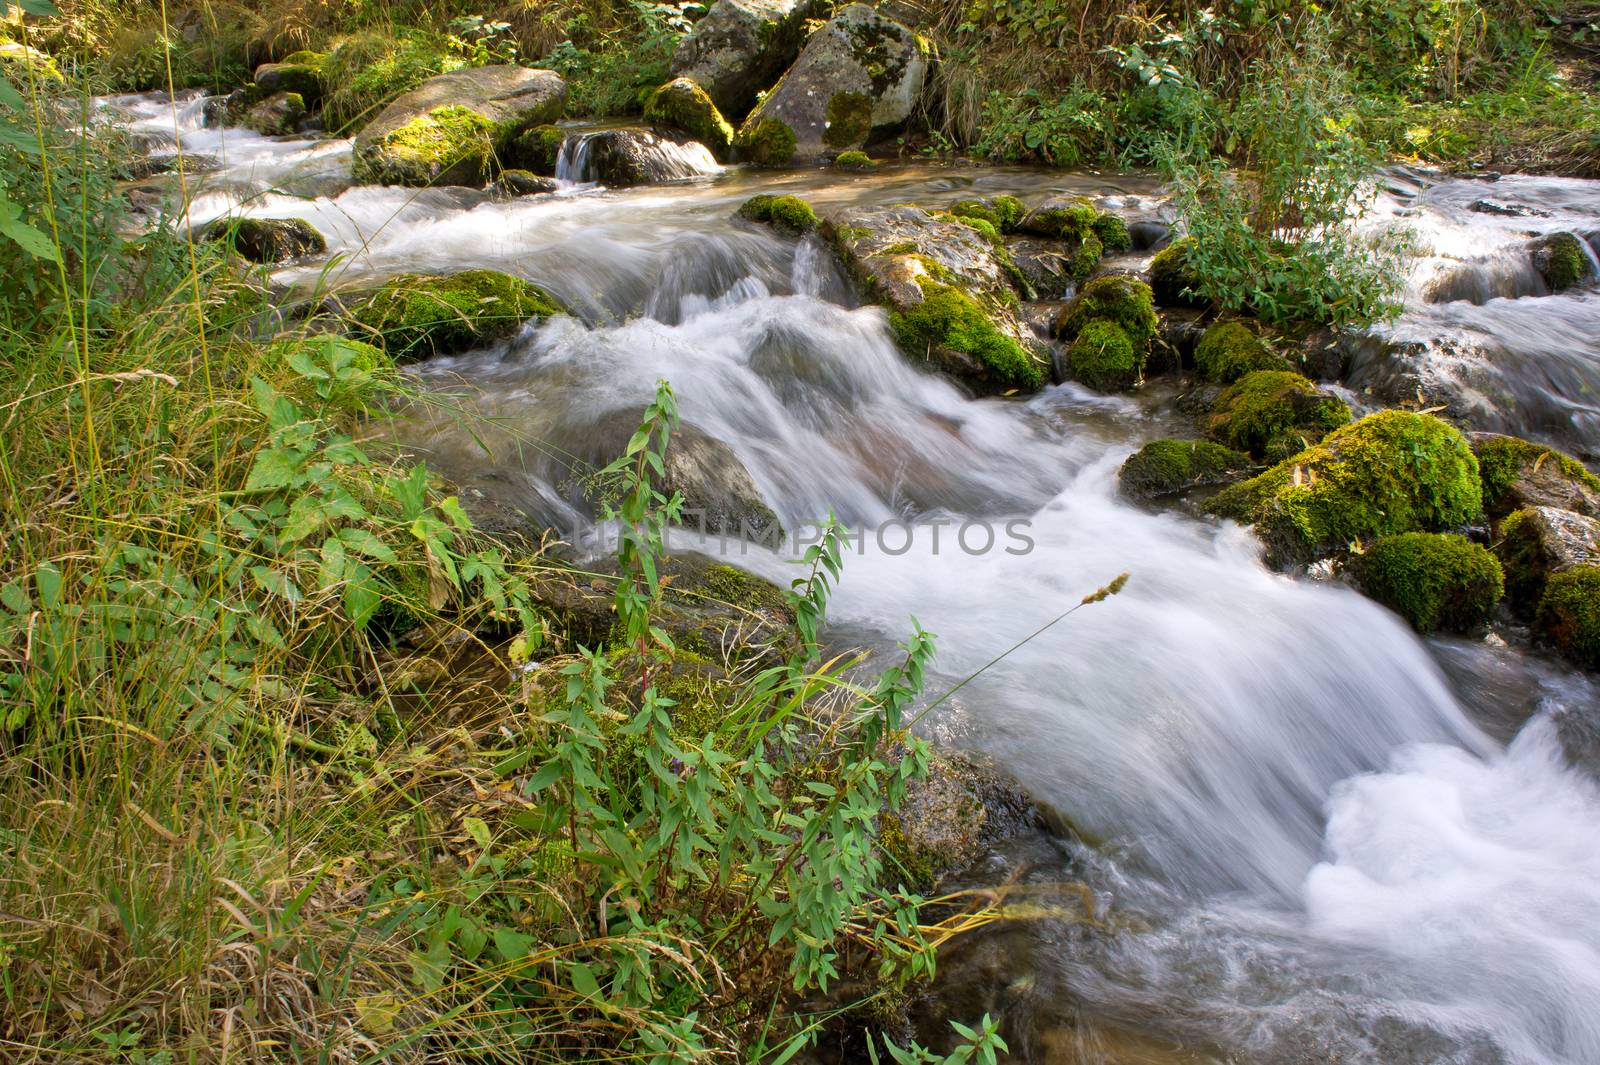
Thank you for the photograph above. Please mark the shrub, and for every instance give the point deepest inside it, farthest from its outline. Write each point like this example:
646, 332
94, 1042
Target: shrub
1569, 614
1435, 581
1102, 356
1229, 350
1273, 414
365, 71
1391, 472
1117, 298
1167, 467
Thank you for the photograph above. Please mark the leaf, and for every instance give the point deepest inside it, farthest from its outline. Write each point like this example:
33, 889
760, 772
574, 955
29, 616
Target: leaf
273, 468
584, 982
42, 8
10, 97
23, 235
512, 945
478, 830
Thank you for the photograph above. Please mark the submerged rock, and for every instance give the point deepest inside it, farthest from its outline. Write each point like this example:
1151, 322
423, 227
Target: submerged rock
415, 316
948, 292
1172, 467
1391, 472
267, 240
741, 47
453, 128
276, 116
1436, 581
1562, 259
859, 78
682, 105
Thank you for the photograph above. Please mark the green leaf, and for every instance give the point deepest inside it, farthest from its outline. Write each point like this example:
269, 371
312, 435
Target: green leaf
48, 581
512, 945
584, 982
273, 468
10, 97
42, 8
23, 235
23, 141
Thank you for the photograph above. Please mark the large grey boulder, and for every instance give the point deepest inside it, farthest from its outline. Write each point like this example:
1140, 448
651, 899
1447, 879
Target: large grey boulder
859, 79
740, 48
452, 129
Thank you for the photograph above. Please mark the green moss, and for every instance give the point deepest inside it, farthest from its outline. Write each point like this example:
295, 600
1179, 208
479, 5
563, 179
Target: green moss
1118, 298
913, 866
1504, 460
1229, 350
1391, 472
985, 228
766, 142
302, 78
1173, 280
453, 144
1566, 264
1113, 233
790, 214
1010, 211
738, 588
267, 240
1433, 580
1003, 212
855, 160
683, 105
1569, 614
949, 318
1103, 357
1523, 560
537, 150
415, 316
849, 120
1075, 219
1166, 467
1274, 414
1085, 257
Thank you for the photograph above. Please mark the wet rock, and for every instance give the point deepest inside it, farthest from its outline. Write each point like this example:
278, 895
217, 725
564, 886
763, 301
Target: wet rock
415, 316
1173, 467
684, 106
1536, 542
949, 294
298, 73
949, 819
1436, 581
1047, 264
859, 79
632, 156
536, 150
1273, 414
1519, 473
513, 183
1172, 279
741, 47
1180, 333
267, 240
1505, 210
276, 116
1562, 259
452, 128
149, 166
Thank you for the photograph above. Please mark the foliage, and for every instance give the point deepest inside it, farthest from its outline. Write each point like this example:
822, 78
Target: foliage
1435, 581
365, 71
615, 71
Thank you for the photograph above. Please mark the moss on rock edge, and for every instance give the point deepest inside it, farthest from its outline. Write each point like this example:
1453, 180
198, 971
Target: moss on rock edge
1167, 467
1118, 298
1103, 357
766, 142
949, 318
1229, 350
1273, 414
416, 316
1173, 279
790, 214
683, 105
1569, 614
1436, 581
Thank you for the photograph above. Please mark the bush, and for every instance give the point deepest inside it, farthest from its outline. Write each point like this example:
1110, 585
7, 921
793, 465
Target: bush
1116, 298
1229, 350
1434, 581
1391, 472
1569, 614
1103, 357
1273, 414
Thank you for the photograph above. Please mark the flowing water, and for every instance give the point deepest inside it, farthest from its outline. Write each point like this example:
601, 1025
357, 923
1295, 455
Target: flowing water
1307, 849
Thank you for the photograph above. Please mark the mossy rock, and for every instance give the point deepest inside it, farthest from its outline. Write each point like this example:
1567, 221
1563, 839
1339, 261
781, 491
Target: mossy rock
1519, 473
267, 240
1104, 358
450, 145
1171, 467
680, 104
1569, 615
16, 59
1060, 217
1113, 234
1117, 298
1537, 541
514, 183
949, 321
1273, 414
788, 214
856, 161
416, 316
849, 119
1562, 259
1172, 278
1391, 472
1229, 350
299, 73
765, 142
1436, 581
537, 150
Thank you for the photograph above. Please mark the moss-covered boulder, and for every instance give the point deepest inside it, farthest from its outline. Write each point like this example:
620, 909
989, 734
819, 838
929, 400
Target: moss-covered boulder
859, 78
536, 150
415, 316
1118, 298
278, 115
1075, 230
514, 183
300, 73
267, 240
1391, 472
1103, 357
1229, 350
1536, 542
1519, 473
1569, 615
1172, 467
1273, 414
741, 47
1004, 213
1172, 278
1562, 259
1436, 581
1113, 233
787, 214
948, 289
682, 105
453, 129
855, 162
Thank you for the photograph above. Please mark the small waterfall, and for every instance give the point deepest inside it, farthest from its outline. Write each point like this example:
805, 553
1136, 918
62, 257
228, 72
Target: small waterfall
631, 156
572, 161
